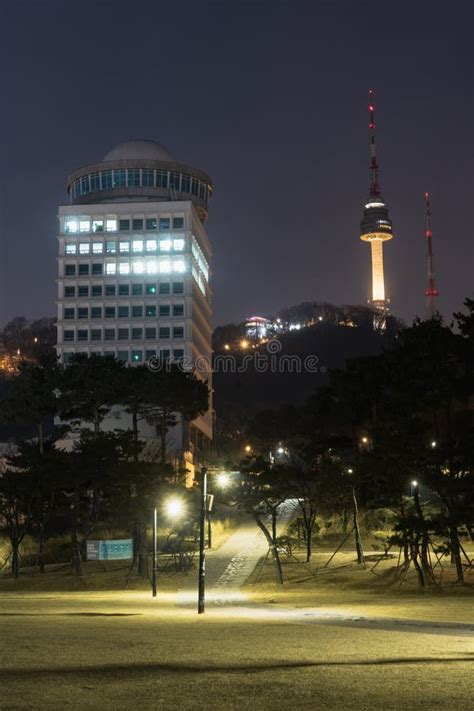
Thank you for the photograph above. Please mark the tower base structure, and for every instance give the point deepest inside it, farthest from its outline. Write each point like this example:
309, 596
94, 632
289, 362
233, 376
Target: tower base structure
381, 311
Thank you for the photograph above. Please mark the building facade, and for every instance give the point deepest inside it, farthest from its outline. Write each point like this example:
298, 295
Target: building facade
134, 266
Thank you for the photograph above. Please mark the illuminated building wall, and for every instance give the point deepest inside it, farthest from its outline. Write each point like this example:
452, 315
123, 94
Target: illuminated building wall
134, 260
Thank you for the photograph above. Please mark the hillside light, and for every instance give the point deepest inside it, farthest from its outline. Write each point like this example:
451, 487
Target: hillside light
280, 450
364, 440
244, 344
433, 444
414, 483
248, 448
350, 471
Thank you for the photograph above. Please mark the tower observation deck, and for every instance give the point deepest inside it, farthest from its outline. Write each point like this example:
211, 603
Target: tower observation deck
376, 228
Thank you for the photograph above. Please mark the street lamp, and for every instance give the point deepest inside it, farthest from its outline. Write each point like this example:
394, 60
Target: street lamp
248, 448
174, 508
433, 444
223, 479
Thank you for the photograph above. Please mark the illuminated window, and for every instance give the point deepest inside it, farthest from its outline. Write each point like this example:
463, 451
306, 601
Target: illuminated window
150, 311
111, 225
179, 266
124, 246
151, 245
124, 225
164, 332
97, 225
70, 269
164, 223
123, 334
178, 223
83, 291
137, 245
133, 177
151, 266
178, 309
151, 223
178, 332
137, 311
124, 268
69, 313
111, 247
137, 224
165, 245
71, 225
150, 334
97, 247
178, 245
110, 269
137, 356
137, 334
165, 266
84, 225
138, 266
70, 249
96, 290
164, 310
148, 178
84, 247
96, 312
150, 289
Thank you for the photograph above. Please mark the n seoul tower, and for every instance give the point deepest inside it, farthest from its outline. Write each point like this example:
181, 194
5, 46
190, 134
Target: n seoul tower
376, 228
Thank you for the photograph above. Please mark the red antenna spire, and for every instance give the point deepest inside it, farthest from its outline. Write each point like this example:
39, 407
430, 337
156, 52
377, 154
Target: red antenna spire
374, 169
431, 291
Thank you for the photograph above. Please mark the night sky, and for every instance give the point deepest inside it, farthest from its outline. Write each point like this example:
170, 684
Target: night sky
269, 98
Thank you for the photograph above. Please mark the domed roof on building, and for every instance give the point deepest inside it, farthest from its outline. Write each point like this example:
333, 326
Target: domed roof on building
139, 149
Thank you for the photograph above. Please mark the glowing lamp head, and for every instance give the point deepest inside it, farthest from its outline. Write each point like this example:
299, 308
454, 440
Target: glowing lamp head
248, 448
280, 450
414, 483
174, 508
223, 480
433, 444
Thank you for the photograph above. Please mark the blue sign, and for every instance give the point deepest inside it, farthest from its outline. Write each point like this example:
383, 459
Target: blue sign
110, 550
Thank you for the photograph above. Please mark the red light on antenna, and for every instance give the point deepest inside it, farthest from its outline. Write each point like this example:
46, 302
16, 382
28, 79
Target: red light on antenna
371, 107
428, 233
427, 195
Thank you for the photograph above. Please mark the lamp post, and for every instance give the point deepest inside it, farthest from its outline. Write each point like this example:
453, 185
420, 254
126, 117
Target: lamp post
174, 508
202, 544
154, 567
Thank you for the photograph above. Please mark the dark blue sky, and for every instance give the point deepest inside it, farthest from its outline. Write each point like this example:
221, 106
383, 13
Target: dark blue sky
269, 98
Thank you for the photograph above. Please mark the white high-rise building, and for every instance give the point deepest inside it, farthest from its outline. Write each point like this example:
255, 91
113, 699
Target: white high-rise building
134, 266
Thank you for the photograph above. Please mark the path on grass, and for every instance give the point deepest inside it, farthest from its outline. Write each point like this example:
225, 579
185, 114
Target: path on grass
228, 567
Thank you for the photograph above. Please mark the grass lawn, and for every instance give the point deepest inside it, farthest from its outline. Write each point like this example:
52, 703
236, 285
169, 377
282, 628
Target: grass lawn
123, 650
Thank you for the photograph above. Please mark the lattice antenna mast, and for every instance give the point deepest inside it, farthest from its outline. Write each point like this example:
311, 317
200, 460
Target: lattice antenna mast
374, 168
431, 291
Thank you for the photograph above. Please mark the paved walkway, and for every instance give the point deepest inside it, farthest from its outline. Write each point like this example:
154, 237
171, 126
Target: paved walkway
228, 568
